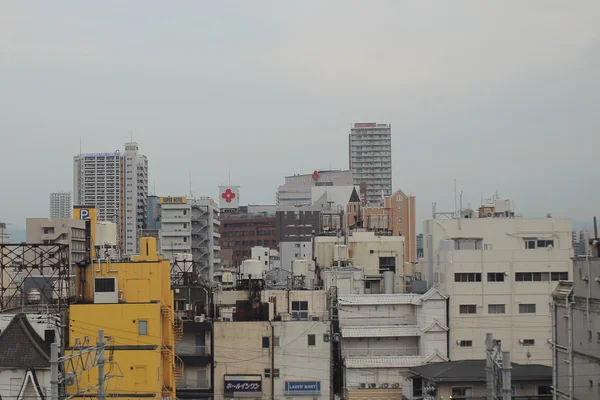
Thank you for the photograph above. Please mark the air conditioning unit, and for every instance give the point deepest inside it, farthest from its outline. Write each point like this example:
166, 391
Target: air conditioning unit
396, 386
315, 318
106, 291
372, 385
363, 385
385, 385
199, 318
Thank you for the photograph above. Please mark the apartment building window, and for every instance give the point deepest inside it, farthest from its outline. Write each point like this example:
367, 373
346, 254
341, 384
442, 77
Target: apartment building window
468, 309
142, 327
465, 343
467, 277
300, 310
590, 336
462, 392
312, 340
467, 244
495, 276
526, 308
266, 343
531, 243
528, 342
496, 309
559, 276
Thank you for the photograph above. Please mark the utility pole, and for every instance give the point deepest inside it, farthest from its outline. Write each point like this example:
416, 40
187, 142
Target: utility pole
498, 370
101, 361
489, 372
54, 371
506, 376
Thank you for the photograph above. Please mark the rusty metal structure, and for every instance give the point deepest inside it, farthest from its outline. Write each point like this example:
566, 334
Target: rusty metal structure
35, 277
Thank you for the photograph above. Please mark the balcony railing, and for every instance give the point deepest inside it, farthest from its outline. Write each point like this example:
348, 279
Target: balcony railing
193, 384
400, 351
184, 349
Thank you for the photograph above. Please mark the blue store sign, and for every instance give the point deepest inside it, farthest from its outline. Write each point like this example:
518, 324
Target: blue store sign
300, 388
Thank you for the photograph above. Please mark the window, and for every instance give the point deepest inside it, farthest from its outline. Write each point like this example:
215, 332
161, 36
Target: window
590, 336
495, 276
467, 244
185, 239
300, 310
468, 309
496, 309
465, 343
399, 198
526, 308
266, 342
276, 373
467, 277
387, 264
530, 244
545, 243
528, 342
399, 220
142, 327
312, 340
462, 392
399, 207
267, 372
104, 285
532, 276
559, 276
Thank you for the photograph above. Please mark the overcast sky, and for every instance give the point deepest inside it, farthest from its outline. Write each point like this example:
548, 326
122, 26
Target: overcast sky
498, 95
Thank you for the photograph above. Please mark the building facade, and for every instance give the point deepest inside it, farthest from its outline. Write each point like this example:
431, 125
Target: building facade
191, 225
241, 232
294, 231
499, 273
60, 205
576, 331
117, 185
581, 246
66, 231
297, 188
383, 335
132, 302
370, 156
398, 216
419, 246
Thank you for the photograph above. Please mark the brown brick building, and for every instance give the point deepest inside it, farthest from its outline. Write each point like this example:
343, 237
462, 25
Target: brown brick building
241, 232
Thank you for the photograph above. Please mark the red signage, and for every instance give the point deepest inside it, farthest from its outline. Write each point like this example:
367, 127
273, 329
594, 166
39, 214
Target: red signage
228, 195
365, 125
316, 176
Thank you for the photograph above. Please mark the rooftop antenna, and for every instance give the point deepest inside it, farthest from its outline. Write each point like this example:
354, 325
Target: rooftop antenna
79, 145
229, 182
191, 195
455, 196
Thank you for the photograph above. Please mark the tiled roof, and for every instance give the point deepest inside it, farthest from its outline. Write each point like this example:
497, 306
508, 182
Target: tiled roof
474, 371
380, 331
379, 299
21, 346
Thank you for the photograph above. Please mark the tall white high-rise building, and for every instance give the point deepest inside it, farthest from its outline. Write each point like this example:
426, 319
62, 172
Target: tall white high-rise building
136, 196
370, 148
117, 184
61, 205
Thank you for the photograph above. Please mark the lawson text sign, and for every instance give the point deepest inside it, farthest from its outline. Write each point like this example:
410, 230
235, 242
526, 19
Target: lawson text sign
303, 387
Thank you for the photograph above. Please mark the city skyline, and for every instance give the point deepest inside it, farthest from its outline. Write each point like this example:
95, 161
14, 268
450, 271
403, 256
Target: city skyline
491, 125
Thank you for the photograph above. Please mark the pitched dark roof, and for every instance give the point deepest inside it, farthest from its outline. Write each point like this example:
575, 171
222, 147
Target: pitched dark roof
354, 197
474, 371
22, 347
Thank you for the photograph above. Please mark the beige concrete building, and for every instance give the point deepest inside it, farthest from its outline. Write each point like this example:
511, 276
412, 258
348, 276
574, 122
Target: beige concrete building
398, 215
499, 273
373, 253
59, 231
272, 360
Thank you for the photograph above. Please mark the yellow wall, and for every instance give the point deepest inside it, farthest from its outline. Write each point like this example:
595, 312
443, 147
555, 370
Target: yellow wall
142, 369
144, 294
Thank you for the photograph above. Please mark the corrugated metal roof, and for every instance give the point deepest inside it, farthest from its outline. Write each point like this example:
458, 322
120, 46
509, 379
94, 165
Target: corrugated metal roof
380, 331
377, 299
384, 362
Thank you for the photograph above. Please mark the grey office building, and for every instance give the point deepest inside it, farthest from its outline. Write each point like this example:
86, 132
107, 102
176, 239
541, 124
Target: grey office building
370, 156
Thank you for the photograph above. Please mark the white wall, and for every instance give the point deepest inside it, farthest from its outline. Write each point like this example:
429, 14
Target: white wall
502, 251
11, 381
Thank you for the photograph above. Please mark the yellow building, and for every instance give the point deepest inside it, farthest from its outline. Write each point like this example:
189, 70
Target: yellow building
132, 302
